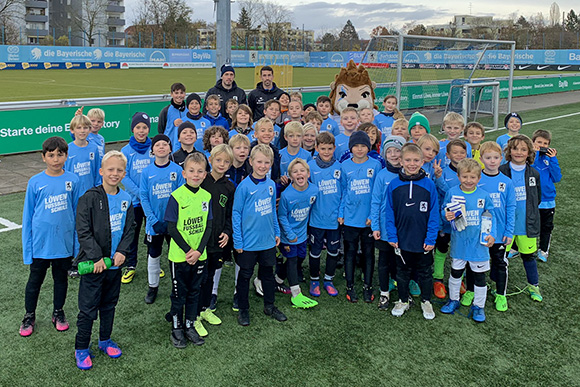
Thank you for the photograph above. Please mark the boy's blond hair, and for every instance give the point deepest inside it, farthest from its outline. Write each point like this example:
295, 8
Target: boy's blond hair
366, 108
411, 148
300, 161
80, 120
212, 97
453, 117
97, 113
403, 122
296, 94
349, 109
114, 153
197, 158
489, 146
225, 149
325, 138
263, 121
474, 125
295, 101
313, 116
468, 165
263, 149
238, 139
293, 127
309, 126
429, 138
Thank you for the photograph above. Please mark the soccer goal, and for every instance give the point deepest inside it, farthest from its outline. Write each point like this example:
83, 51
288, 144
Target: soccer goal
473, 77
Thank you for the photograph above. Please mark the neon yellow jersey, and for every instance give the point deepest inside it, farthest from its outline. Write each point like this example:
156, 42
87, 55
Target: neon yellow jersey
477, 157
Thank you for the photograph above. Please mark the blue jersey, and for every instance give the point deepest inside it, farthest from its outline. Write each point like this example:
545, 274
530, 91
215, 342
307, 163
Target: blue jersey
217, 121
293, 213
251, 135
48, 219
550, 173
442, 155
519, 180
330, 125
429, 169
157, 184
286, 158
170, 128
357, 186
466, 244
324, 213
502, 193
379, 202
85, 163
384, 122
201, 125
341, 142
99, 141
118, 206
275, 141
254, 217
136, 163
502, 141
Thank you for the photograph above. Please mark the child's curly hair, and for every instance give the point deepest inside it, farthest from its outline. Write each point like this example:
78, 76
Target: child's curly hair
212, 130
515, 141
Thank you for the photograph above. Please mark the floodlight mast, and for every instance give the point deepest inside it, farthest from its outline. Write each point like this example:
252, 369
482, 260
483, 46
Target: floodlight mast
223, 34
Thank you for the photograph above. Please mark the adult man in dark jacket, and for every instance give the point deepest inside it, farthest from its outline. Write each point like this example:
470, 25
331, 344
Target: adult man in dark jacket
264, 91
226, 88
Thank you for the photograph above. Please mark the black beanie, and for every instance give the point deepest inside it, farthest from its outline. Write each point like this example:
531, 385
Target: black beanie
227, 67
359, 137
160, 137
183, 125
192, 97
513, 114
140, 117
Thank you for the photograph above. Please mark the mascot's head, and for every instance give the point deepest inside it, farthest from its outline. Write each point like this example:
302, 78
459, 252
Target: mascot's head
352, 87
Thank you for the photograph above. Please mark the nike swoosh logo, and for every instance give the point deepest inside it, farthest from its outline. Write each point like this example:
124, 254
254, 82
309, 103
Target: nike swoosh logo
253, 192
523, 67
151, 177
348, 173
334, 242
293, 201
563, 67
479, 266
543, 67
72, 157
316, 173
43, 187
184, 207
448, 179
409, 204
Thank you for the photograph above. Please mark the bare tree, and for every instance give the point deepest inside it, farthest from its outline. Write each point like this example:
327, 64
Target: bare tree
273, 18
10, 11
168, 21
90, 18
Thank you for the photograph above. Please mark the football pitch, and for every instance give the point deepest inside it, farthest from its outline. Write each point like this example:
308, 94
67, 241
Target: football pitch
29, 85
335, 343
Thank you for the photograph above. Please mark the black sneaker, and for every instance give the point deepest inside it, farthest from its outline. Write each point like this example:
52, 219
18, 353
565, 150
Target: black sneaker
368, 295
275, 314
73, 272
244, 317
351, 295
151, 295
383, 303
213, 303
235, 307
178, 338
193, 336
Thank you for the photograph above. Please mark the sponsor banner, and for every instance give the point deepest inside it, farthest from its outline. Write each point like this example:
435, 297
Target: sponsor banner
58, 65
165, 65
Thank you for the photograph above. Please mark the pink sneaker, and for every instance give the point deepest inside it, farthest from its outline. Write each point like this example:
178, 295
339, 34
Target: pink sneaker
27, 326
59, 321
83, 358
110, 348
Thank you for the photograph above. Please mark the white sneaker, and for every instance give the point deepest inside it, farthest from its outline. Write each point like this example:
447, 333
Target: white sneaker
542, 256
427, 310
400, 308
258, 286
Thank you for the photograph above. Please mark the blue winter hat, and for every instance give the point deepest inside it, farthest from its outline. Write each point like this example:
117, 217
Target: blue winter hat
359, 137
227, 67
140, 117
512, 114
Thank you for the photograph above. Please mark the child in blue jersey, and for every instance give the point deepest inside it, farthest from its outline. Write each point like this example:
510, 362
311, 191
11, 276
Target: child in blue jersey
242, 122
366, 116
293, 132
83, 156
97, 117
430, 147
158, 181
324, 107
326, 174
387, 267
502, 193
214, 136
272, 111
240, 168
547, 164
256, 233
385, 119
358, 176
309, 138
139, 156
105, 230
187, 135
173, 115
375, 138
513, 123
467, 244
349, 121
293, 212
213, 115
231, 107
418, 126
294, 115
474, 134
265, 135
401, 128
314, 118
412, 221
453, 125
48, 231
520, 155
446, 179
195, 116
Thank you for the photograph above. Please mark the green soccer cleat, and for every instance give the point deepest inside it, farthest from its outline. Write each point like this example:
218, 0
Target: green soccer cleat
534, 292
467, 298
301, 301
200, 329
501, 304
210, 317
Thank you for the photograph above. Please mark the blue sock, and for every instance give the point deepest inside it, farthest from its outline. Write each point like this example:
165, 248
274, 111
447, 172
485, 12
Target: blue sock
531, 270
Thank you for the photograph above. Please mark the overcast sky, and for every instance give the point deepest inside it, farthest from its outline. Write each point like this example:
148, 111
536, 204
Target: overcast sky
331, 15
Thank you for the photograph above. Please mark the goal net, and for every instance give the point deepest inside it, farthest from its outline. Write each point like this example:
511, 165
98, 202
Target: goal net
434, 74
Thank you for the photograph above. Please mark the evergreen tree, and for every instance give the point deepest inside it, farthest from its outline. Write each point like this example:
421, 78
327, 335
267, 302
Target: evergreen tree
244, 19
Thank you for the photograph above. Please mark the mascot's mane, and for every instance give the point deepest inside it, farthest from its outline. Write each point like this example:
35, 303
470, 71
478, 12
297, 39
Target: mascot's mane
351, 76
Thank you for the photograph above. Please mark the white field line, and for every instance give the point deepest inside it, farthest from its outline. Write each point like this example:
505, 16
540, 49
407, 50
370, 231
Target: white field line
539, 121
9, 225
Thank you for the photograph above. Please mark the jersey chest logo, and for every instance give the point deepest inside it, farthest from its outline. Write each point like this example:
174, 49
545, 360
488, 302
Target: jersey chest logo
312, 199
328, 127
124, 205
480, 203
532, 181
68, 185
223, 200
547, 162
337, 173
501, 187
271, 190
204, 206
423, 206
92, 156
370, 172
173, 176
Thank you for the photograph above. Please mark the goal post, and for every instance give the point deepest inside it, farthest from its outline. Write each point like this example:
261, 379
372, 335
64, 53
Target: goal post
425, 72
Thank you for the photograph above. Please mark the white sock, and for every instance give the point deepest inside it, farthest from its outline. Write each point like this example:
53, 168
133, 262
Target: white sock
385, 293
237, 271
153, 270
216, 281
295, 290
454, 287
479, 295
279, 280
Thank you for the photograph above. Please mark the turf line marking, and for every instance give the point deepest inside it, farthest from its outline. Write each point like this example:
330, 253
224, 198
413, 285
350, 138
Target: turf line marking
9, 225
539, 121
